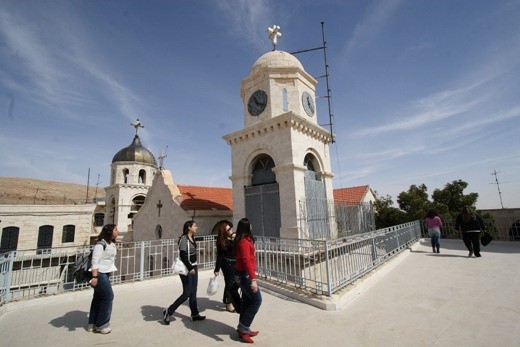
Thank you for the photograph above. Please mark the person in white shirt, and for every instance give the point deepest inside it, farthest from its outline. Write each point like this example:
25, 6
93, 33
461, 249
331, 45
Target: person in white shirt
103, 258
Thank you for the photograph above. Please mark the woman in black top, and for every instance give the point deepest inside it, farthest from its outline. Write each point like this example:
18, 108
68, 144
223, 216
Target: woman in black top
226, 262
188, 255
470, 225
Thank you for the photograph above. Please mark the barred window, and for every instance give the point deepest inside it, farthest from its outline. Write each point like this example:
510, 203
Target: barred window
9, 239
68, 233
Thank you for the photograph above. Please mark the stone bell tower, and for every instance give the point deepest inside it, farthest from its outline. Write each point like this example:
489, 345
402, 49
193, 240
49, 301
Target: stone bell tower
132, 171
280, 159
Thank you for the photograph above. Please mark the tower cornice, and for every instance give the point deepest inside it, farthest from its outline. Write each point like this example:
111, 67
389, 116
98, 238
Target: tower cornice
284, 121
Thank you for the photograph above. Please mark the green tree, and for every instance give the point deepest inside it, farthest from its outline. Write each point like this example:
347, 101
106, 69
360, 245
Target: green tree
452, 198
386, 215
414, 202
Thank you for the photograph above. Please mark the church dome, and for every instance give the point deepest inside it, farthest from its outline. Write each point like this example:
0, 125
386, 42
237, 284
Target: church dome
135, 152
278, 59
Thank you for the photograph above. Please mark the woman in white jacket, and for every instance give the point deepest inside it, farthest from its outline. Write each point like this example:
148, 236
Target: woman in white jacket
103, 257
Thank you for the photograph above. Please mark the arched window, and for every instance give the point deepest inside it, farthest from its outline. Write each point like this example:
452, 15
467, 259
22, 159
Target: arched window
311, 164
125, 175
308, 162
9, 239
263, 170
68, 233
99, 219
142, 176
158, 231
44, 237
137, 202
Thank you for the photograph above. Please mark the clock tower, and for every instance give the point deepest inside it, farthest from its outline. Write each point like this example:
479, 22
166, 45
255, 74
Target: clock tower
280, 159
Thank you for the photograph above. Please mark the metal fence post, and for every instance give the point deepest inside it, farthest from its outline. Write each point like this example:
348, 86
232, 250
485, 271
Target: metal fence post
327, 267
8, 295
141, 266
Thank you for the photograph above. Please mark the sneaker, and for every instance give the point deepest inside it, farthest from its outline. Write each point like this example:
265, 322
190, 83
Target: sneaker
199, 317
103, 331
90, 328
166, 317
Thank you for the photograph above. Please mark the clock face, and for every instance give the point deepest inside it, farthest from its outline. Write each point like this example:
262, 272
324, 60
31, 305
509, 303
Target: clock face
257, 103
308, 104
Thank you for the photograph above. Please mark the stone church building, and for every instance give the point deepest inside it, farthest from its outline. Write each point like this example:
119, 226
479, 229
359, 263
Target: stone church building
280, 175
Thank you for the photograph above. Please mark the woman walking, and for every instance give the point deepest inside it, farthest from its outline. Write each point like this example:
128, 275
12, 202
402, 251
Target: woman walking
226, 263
433, 224
103, 256
188, 255
470, 225
246, 277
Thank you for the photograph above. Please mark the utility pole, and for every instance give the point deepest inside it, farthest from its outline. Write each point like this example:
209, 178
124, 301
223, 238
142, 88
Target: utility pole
494, 173
97, 184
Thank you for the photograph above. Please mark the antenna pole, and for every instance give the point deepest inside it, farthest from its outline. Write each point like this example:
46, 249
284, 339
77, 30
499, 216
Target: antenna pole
494, 173
324, 48
327, 78
88, 182
97, 184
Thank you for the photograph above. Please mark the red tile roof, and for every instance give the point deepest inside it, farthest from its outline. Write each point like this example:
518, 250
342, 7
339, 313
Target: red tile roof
350, 195
206, 198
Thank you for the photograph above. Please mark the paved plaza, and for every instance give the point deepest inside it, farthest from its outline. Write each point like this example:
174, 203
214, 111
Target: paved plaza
418, 299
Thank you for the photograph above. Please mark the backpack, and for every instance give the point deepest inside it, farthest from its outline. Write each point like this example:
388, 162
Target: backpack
83, 264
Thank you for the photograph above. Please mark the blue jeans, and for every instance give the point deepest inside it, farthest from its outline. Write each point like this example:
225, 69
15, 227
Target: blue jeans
250, 302
189, 290
101, 305
435, 236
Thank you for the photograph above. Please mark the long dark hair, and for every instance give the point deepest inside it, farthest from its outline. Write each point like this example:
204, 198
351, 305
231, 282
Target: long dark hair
468, 214
222, 237
187, 226
243, 230
432, 213
107, 233
185, 230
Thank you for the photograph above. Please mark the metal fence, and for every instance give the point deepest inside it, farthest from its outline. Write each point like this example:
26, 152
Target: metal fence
324, 267
505, 229
314, 266
316, 217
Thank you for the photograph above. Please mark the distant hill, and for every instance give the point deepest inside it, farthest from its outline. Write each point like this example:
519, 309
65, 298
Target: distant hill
28, 191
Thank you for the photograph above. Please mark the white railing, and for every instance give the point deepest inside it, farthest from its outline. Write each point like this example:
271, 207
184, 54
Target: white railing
314, 266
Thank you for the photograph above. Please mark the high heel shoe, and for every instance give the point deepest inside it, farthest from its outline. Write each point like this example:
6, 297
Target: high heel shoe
230, 308
246, 337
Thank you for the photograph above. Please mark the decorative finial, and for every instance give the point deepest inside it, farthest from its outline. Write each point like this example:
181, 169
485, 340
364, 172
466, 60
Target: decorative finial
137, 124
162, 156
274, 34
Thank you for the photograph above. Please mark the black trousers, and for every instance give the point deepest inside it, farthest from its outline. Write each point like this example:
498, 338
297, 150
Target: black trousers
231, 294
472, 241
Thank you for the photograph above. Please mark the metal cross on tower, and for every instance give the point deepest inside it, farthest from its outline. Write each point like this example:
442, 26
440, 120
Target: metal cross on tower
274, 34
137, 124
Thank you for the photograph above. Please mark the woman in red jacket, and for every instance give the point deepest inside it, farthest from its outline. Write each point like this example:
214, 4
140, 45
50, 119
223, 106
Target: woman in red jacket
246, 277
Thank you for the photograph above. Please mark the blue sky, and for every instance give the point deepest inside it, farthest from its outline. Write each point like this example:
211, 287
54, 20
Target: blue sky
422, 91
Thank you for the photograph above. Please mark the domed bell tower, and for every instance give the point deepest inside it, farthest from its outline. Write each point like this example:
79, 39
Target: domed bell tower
132, 171
281, 157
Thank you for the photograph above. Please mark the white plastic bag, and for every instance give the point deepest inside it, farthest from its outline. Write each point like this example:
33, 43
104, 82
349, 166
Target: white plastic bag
178, 267
212, 286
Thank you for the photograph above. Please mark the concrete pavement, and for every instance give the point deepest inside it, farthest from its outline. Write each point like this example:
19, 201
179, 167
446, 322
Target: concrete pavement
418, 299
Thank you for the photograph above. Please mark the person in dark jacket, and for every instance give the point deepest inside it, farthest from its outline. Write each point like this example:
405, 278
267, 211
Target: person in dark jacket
470, 225
226, 263
188, 255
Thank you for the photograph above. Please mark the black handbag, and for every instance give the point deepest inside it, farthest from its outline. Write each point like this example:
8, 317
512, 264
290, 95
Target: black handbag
486, 238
